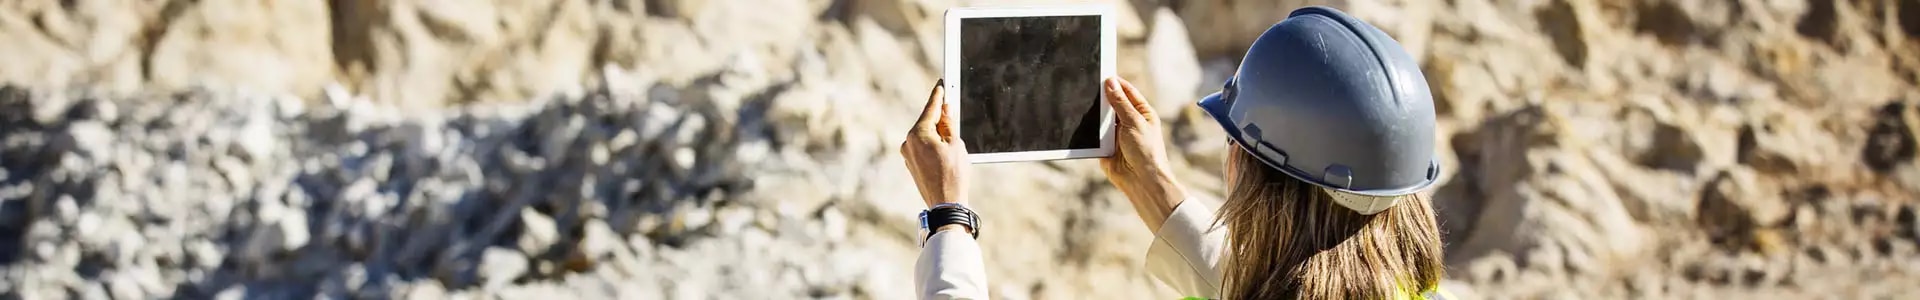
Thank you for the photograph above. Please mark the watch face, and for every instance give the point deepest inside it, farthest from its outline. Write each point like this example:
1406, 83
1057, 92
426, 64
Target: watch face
925, 233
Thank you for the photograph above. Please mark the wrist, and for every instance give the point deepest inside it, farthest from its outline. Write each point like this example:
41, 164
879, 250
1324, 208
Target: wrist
937, 203
954, 227
948, 198
1155, 198
1159, 190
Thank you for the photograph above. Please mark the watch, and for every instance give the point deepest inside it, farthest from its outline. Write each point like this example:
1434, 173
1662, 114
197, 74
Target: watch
944, 214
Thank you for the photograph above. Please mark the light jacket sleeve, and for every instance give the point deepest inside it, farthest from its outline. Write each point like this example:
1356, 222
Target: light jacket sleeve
1187, 251
950, 267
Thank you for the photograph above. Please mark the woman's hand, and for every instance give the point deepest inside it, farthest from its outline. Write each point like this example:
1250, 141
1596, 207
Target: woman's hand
935, 155
1139, 166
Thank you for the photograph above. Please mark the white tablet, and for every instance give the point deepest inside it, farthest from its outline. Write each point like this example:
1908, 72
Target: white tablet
1025, 82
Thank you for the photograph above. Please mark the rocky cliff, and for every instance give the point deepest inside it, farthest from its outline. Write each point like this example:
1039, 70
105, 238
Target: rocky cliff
744, 149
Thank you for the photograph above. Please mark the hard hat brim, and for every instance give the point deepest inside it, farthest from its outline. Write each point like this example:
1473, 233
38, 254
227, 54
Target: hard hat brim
1220, 110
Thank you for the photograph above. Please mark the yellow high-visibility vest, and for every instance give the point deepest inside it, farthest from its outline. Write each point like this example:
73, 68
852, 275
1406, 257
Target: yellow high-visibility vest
1435, 294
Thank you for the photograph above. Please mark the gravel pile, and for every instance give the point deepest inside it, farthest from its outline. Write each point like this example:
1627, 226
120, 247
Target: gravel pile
608, 193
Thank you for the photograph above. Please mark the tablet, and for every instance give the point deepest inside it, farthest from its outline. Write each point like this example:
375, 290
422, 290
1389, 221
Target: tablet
1025, 82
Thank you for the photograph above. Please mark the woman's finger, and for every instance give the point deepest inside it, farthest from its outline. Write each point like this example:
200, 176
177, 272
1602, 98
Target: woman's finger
946, 125
931, 113
1117, 99
1139, 102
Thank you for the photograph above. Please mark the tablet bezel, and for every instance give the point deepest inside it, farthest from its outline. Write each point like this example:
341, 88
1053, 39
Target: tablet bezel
954, 88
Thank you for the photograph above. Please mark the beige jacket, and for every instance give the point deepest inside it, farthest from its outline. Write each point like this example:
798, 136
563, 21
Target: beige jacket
1186, 255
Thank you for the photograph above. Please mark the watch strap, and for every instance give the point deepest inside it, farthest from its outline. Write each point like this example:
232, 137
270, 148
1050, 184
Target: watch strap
945, 214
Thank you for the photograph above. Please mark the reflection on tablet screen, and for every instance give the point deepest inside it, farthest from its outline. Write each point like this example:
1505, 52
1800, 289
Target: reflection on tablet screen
1030, 83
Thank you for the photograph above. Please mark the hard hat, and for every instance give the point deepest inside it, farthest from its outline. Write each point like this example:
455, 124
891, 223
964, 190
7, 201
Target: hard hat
1335, 102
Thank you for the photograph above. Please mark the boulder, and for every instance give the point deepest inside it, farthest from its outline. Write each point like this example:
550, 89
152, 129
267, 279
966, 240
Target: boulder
240, 44
1174, 69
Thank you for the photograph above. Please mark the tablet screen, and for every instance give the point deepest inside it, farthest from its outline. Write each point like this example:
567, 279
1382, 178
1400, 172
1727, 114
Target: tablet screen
1030, 83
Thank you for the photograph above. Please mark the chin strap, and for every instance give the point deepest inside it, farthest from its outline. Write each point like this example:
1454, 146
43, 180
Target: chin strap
1363, 204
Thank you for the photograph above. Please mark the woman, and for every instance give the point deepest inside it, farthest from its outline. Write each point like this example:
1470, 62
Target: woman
1320, 205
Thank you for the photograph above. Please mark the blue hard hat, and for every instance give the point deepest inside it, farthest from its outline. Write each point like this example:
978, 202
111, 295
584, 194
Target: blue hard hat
1335, 102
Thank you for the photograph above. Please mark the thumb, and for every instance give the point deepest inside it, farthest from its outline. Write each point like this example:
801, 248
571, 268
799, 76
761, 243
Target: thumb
1138, 102
931, 113
1124, 112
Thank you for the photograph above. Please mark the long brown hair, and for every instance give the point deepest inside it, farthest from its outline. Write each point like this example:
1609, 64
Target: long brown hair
1289, 240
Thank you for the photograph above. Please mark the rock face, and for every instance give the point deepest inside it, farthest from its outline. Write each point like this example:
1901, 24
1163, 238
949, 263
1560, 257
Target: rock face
1675, 149
743, 149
